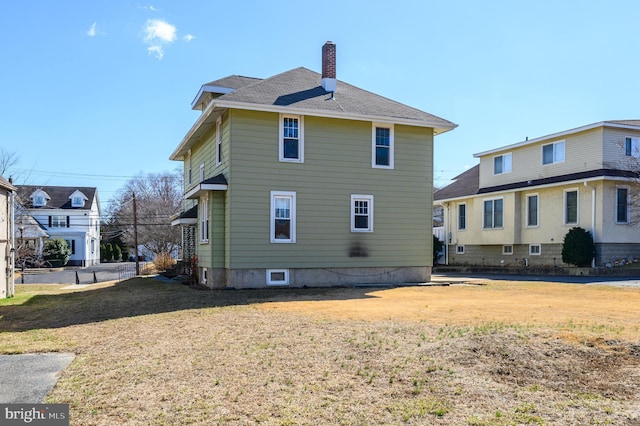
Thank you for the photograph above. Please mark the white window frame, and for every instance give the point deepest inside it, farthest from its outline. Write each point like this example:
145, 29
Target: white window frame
631, 147
565, 207
506, 165
281, 157
39, 201
201, 172
528, 218
218, 141
507, 250
555, 152
271, 281
59, 221
462, 228
374, 146
189, 169
627, 203
292, 216
203, 215
460, 249
369, 200
493, 226
77, 201
533, 252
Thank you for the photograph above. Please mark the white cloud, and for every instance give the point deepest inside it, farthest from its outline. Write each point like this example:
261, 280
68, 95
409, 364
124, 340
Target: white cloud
188, 37
93, 30
157, 34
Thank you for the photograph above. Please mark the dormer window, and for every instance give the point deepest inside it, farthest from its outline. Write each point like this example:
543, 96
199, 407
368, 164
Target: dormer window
77, 202
78, 199
39, 198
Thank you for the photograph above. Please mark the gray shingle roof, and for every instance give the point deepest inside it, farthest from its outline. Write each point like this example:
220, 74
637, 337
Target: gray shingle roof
300, 89
463, 185
59, 195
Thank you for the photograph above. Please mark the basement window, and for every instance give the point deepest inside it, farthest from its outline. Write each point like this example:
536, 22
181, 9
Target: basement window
459, 249
277, 277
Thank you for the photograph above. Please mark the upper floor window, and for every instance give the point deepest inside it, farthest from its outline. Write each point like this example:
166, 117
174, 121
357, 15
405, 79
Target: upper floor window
493, 213
39, 201
532, 210
502, 164
291, 146
631, 147
622, 205
462, 217
218, 142
189, 170
77, 201
571, 207
201, 172
361, 213
283, 217
553, 153
382, 149
58, 221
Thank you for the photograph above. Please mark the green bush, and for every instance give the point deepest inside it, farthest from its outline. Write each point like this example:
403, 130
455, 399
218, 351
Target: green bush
56, 251
578, 248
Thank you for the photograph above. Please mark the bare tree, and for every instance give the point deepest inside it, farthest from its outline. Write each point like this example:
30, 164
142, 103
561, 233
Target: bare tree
158, 197
8, 161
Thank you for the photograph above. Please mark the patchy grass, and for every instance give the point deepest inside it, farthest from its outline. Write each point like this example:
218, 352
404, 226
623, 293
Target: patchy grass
153, 353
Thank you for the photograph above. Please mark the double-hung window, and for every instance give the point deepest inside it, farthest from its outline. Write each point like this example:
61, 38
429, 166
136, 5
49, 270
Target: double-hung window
201, 172
571, 207
283, 217
553, 153
382, 146
532, 210
291, 146
462, 217
622, 205
58, 222
631, 147
204, 219
493, 213
502, 164
361, 213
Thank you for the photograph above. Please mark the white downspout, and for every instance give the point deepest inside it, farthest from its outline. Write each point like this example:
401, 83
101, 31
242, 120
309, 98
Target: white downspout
445, 218
12, 249
593, 217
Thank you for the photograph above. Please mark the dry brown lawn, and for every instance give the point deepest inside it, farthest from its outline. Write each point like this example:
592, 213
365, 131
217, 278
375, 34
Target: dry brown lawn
500, 353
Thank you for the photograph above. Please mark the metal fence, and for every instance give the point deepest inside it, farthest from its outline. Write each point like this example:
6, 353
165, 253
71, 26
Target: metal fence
128, 270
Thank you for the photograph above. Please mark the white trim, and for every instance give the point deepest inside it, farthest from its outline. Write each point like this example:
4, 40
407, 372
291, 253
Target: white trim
210, 89
503, 171
284, 272
204, 276
369, 200
374, 127
458, 205
628, 204
460, 249
218, 144
203, 219
553, 152
564, 206
484, 200
281, 156
198, 189
526, 207
201, 176
292, 217
531, 246
505, 252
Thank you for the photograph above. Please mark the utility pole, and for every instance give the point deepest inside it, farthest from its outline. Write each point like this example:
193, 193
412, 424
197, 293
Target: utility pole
135, 233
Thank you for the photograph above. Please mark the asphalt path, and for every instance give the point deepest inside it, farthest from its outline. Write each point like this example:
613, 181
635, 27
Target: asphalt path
28, 378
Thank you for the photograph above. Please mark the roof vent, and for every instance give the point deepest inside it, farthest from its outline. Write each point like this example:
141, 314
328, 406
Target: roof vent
329, 82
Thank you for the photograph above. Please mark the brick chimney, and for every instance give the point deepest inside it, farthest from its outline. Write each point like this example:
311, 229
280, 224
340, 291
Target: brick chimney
329, 67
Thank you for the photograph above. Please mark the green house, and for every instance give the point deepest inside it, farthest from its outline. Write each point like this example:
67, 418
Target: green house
304, 180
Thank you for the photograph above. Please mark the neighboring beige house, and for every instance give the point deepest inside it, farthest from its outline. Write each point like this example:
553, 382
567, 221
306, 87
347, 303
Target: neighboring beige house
7, 246
516, 206
303, 180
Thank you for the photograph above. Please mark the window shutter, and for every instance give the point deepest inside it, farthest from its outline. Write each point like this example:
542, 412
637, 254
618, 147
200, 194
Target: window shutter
68, 221
49, 221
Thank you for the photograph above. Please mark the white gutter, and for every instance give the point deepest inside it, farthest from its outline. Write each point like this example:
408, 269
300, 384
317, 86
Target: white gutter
593, 217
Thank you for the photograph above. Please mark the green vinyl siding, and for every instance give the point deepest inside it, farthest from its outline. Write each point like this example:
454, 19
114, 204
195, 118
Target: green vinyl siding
337, 164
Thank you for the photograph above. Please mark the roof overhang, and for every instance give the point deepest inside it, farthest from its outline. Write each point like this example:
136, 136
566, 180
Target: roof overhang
558, 136
217, 183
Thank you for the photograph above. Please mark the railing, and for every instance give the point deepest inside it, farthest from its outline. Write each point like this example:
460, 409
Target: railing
128, 270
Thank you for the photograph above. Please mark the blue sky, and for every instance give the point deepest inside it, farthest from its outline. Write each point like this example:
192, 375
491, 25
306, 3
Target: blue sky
96, 92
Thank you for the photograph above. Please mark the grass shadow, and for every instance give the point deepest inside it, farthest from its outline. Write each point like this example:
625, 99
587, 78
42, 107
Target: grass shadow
145, 296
